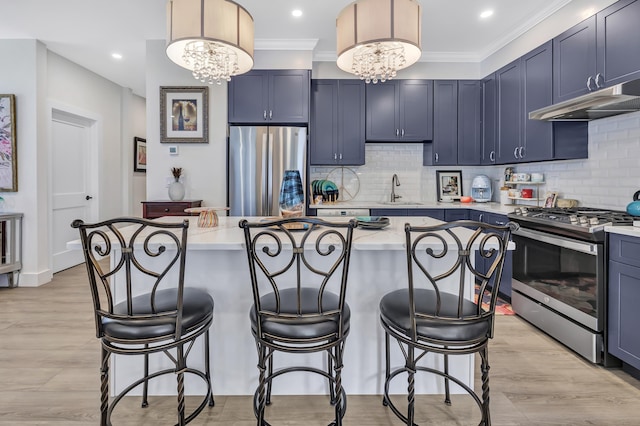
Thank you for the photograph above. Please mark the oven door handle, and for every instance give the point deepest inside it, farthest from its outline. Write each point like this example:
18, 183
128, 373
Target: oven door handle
582, 247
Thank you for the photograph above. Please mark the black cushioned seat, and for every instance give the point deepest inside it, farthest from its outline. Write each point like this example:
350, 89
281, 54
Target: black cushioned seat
197, 308
394, 311
305, 328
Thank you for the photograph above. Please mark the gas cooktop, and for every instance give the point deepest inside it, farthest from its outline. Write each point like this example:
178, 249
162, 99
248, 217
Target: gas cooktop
577, 219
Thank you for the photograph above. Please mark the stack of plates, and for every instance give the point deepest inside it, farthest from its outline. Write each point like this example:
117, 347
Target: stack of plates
372, 222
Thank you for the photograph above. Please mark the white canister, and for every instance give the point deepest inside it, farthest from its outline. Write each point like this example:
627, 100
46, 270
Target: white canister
504, 197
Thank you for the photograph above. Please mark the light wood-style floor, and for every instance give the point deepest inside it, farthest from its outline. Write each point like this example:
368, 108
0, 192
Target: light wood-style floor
49, 360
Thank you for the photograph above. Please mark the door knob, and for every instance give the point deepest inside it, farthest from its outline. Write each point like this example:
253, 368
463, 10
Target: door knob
88, 197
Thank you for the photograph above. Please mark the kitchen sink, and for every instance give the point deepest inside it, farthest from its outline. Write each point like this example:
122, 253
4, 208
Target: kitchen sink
402, 203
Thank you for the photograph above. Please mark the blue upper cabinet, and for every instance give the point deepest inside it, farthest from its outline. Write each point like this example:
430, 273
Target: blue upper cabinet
270, 97
618, 43
469, 122
399, 111
489, 121
445, 123
537, 80
457, 106
574, 61
601, 51
509, 113
337, 129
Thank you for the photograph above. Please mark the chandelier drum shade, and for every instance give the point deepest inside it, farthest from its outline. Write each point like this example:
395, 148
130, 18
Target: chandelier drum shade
211, 38
376, 38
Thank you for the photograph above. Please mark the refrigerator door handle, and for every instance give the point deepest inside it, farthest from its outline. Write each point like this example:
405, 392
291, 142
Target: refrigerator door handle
269, 178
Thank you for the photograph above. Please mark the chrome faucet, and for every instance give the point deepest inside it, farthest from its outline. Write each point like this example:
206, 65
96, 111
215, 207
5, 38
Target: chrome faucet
394, 182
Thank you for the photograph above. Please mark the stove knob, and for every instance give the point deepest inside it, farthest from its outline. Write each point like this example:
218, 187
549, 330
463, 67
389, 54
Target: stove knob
594, 221
582, 219
517, 211
573, 218
525, 210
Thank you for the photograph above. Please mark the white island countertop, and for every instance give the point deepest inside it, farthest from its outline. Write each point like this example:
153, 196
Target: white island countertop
632, 231
228, 235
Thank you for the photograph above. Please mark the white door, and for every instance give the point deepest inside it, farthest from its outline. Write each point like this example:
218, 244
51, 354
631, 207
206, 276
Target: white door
71, 187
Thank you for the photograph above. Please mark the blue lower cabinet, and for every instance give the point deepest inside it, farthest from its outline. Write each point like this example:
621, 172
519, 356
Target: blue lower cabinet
623, 297
483, 264
434, 213
388, 212
456, 214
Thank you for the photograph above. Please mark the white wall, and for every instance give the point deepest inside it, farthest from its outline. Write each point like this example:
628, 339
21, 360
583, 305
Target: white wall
139, 179
25, 77
204, 164
39, 79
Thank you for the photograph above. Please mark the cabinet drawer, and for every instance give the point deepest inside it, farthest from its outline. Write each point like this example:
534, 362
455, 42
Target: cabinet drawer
155, 209
456, 214
624, 249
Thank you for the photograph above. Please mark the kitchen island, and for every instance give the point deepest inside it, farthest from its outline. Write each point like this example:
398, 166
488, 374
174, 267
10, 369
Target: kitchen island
217, 261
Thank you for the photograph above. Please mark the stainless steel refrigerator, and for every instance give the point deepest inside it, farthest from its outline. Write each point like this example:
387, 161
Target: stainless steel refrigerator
258, 157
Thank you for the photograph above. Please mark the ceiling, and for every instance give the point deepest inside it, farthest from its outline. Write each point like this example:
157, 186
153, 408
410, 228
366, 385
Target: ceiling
87, 32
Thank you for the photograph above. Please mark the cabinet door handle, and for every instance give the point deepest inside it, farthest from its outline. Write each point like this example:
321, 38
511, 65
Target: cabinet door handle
436, 157
402, 133
599, 78
335, 156
270, 114
340, 156
492, 157
397, 132
515, 152
520, 152
264, 114
480, 217
88, 197
591, 84
166, 210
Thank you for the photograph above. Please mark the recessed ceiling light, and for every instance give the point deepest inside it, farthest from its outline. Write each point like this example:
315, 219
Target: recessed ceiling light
486, 14
116, 56
297, 13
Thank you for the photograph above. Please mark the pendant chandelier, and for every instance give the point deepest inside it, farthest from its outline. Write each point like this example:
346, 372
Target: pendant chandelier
211, 38
376, 38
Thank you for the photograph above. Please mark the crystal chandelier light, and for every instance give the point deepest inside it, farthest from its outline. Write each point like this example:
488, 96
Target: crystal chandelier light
376, 38
211, 38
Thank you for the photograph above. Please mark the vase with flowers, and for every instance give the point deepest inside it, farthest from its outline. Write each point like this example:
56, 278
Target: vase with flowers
176, 188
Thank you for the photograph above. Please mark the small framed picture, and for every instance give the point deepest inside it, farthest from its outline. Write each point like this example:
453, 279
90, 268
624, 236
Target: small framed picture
139, 155
449, 184
184, 115
8, 153
550, 199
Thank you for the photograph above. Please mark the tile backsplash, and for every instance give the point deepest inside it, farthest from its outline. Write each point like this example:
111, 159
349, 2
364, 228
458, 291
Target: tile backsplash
607, 179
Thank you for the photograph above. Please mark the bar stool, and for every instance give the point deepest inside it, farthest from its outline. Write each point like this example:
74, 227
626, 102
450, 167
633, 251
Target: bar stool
432, 314
136, 273
299, 269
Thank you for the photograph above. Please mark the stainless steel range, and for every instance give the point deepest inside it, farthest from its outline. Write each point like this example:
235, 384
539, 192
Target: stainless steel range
559, 274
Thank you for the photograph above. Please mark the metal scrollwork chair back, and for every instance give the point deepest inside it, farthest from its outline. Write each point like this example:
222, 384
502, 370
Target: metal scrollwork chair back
299, 269
136, 271
438, 311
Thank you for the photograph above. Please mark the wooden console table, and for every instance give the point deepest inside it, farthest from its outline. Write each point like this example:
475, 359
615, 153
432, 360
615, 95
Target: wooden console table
155, 209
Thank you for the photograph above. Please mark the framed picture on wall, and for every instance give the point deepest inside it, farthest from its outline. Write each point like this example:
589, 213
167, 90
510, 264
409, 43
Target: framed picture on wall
8, 153
449, 184
184, 115
550, 199
139, 155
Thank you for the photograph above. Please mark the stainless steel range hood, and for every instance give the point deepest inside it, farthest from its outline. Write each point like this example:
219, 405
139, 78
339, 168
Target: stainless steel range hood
619, 99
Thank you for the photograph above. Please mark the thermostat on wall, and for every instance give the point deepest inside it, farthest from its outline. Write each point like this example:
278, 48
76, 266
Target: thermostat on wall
173, 150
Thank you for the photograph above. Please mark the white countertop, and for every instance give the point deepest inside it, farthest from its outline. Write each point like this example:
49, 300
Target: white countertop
229, 236
350, 205
632, 231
